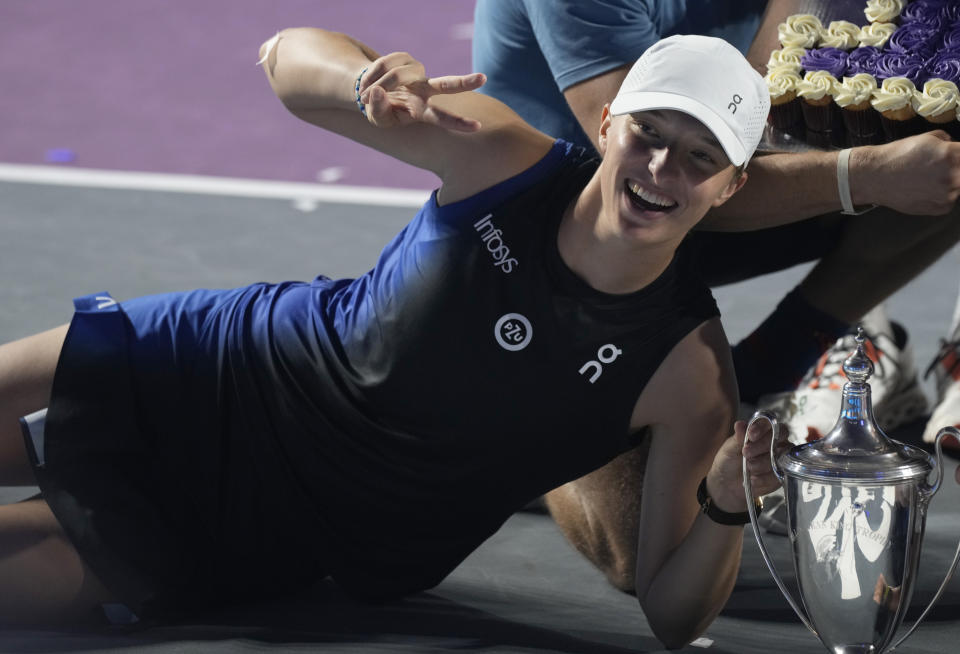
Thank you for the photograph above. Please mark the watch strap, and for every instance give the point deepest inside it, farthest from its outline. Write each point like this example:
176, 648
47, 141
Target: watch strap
717, 514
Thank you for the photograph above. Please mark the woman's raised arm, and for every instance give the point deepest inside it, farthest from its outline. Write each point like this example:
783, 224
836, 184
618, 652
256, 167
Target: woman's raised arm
469, 140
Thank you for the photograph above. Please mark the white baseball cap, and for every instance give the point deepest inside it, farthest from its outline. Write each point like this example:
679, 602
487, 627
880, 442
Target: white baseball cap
707, 78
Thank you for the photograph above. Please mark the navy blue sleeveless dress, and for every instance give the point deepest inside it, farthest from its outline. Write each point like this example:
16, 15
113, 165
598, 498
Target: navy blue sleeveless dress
232, 444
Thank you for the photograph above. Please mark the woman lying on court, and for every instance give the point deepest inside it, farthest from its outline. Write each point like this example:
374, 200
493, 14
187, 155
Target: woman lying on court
535, 322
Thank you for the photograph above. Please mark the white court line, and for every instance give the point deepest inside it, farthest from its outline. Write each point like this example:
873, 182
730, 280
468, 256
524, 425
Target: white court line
210, 185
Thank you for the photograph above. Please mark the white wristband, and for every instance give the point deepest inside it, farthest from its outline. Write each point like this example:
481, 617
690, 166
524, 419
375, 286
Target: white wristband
843, 185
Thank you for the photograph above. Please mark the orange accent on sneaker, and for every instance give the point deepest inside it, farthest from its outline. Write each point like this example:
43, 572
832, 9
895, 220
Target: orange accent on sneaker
821, 364
813, 434
872, 352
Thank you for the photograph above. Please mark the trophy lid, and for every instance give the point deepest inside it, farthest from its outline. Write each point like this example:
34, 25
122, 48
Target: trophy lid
856, 451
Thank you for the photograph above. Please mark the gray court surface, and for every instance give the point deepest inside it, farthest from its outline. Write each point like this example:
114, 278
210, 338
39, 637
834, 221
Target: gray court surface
525, 590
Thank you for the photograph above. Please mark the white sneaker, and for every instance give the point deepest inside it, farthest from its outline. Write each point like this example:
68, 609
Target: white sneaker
946, 370
813, 408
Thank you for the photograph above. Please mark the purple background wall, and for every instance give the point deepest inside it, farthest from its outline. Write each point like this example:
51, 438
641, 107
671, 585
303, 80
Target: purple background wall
171, 86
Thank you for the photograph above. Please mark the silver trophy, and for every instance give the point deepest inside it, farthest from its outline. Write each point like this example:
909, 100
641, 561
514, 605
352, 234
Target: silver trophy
856, 510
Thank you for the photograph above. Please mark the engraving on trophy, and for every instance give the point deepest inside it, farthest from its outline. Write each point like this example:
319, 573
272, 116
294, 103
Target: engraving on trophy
855, 525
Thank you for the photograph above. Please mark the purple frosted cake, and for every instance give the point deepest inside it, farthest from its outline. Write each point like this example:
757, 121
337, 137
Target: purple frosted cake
899, 64
917, 38
832, 60
951, 38
951, 13
945, 65
925, 11
863, 60
929, 11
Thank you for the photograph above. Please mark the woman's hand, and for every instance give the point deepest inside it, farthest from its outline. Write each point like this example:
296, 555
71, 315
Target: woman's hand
725, 479
396, 91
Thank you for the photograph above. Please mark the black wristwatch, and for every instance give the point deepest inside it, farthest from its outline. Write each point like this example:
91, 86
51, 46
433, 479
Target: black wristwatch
719, 515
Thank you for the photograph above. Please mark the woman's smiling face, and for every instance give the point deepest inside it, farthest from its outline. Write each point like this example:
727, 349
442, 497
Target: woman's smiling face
663, 170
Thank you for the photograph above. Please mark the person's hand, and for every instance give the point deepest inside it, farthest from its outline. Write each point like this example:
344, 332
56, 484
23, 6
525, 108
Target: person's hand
919, 175
396, 91
725, 479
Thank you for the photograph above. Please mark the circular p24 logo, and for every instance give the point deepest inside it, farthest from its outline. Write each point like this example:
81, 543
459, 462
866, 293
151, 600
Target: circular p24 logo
513, 331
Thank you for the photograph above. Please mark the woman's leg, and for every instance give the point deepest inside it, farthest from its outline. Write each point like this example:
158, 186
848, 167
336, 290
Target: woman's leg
610, 495
43, 581
26, 377
42, 578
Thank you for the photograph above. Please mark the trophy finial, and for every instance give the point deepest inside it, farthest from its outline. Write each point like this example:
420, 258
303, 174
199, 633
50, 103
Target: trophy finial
858, 367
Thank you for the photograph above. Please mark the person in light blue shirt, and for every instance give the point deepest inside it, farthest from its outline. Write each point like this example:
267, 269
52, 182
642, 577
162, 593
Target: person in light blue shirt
534, 52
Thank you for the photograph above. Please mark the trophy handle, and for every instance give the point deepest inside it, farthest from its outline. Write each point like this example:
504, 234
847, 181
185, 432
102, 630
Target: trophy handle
752, 510
775, 426
930, 491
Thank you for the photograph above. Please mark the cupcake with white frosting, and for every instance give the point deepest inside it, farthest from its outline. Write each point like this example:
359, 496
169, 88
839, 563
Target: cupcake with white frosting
800, 30
788, 57
894, 100
840, 34
785, 110
884, 11
876, 34
937, 104
853, 95
816, 91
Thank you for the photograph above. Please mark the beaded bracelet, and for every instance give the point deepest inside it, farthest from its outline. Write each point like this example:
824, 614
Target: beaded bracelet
356, 89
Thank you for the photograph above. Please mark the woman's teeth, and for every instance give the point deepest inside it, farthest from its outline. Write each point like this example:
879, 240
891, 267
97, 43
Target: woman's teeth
649, 197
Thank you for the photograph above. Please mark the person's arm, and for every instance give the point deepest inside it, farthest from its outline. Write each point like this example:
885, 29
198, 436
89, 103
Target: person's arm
919, 175
587, 98
681, 565
687, 564
767, 38
469, 140
590, 46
